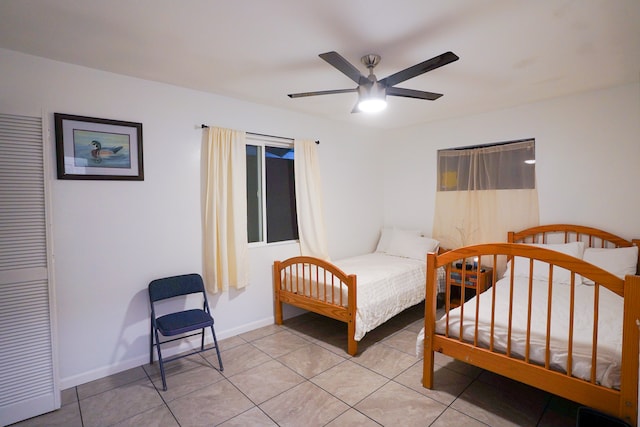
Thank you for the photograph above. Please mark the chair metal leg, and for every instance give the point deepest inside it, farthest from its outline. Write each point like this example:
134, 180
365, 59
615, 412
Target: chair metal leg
151, 346
164, 381
215, 342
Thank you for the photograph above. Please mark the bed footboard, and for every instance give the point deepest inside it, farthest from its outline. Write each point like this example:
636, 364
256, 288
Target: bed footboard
471, 334
317, 286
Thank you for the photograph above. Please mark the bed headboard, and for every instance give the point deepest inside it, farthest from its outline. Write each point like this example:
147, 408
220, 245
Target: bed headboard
566, 233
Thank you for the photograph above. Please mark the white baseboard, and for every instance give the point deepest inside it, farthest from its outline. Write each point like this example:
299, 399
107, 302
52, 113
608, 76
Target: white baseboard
135, 362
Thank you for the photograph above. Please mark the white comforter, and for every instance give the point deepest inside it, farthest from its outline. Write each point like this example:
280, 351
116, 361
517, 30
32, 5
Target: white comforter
609, 329
387, 285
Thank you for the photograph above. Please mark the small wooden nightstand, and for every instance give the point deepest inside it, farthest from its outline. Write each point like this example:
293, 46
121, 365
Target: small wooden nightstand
474, 283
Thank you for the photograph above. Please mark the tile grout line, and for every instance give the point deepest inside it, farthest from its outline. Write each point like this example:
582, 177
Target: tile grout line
79, 406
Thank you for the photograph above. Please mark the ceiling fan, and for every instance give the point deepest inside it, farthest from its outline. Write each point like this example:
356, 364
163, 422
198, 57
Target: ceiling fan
372, 92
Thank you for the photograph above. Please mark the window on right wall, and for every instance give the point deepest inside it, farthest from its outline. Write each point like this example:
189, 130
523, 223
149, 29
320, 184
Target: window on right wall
485, 191
503, 166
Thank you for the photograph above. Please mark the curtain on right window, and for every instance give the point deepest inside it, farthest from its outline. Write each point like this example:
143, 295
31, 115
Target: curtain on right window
484, 192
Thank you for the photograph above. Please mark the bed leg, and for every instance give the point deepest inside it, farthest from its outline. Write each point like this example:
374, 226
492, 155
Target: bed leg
278, 312
427, 370
430, 307
352, 344
352, 347
276, 294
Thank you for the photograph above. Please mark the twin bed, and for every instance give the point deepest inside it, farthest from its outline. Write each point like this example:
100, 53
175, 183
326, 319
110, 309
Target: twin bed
363, 291
563, 317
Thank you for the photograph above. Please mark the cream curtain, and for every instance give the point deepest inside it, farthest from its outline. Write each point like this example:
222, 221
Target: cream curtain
309, 202
468, 217
483, 193
225, 211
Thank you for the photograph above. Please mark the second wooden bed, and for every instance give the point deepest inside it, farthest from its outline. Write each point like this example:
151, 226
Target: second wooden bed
566, 326
377, 287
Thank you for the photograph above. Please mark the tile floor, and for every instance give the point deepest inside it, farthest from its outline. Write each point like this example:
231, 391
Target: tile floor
299, 374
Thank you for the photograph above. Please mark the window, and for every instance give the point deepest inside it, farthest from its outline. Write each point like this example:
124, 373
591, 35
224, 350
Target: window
504, 166
271, 198
484, 192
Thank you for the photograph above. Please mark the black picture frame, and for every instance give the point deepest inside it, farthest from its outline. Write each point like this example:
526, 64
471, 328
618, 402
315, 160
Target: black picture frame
90, 148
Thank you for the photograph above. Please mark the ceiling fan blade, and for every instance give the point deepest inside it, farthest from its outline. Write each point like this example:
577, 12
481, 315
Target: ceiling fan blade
343, 65
322, 92
421, 68
410, 93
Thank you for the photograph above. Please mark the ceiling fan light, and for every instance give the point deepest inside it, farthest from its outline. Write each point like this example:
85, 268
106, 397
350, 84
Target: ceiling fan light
372, 99
372, 105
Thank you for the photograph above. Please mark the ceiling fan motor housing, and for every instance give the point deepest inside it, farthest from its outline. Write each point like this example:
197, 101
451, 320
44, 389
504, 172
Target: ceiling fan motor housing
370, 60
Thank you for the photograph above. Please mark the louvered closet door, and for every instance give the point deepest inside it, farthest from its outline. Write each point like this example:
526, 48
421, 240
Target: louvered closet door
27, 382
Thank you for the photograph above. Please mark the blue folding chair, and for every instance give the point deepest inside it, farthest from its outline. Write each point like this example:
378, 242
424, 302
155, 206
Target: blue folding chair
180, 322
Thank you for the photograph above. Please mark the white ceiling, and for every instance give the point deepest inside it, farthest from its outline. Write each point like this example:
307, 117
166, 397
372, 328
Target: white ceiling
511, 51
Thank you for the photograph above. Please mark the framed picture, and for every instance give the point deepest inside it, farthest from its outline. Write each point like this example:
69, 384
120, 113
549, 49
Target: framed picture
92, 148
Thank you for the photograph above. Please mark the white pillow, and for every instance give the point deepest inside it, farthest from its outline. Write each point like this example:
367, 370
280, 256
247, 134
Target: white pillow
408, 245
386, 235
618, 261
541, 269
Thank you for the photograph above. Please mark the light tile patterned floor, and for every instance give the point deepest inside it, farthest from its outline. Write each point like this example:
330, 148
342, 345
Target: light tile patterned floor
299, 374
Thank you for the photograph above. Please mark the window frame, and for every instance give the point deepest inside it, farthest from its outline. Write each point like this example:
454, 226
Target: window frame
264, 141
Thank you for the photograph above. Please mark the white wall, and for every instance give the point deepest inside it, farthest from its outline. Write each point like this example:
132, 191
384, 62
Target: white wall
111, 238
587, 154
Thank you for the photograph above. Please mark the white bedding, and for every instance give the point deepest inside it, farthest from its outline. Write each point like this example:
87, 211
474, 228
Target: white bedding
387, 285
609, 329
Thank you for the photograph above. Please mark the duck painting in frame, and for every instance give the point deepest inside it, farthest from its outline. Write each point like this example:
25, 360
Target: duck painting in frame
98, 149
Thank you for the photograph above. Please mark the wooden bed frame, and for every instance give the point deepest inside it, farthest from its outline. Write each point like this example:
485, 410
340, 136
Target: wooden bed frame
620, 403
336, 284
332, 292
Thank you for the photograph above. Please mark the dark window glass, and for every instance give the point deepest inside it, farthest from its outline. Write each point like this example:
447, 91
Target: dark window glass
282, 222
279, 221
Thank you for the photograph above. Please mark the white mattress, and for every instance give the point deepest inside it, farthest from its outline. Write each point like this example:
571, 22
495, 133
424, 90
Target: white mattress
609, 329
387, 285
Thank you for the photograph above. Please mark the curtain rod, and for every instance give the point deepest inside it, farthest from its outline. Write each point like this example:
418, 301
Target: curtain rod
491, 144
260, 134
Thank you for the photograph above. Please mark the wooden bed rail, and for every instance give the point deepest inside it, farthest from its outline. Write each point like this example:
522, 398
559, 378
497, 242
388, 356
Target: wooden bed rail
317, 286
593, 237
462, 340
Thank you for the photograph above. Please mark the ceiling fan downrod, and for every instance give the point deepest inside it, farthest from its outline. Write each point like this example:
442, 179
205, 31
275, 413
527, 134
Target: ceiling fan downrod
370, 61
